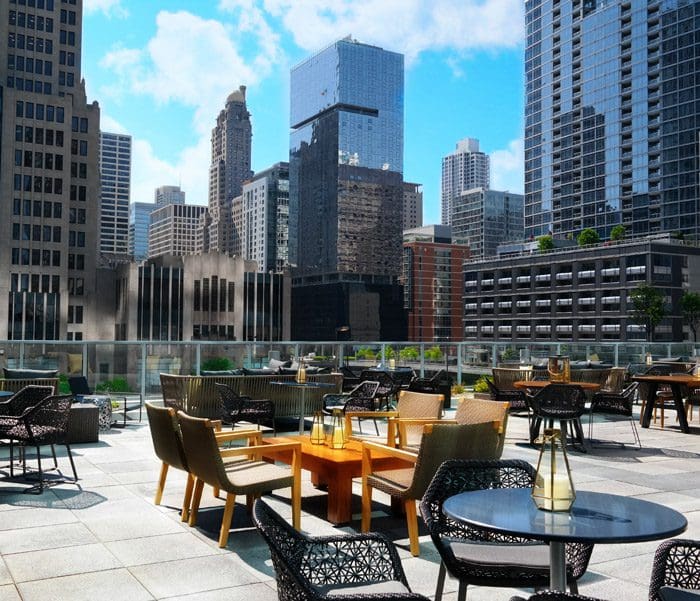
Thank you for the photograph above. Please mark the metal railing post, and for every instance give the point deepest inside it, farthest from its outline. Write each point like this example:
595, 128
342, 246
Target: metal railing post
142, 375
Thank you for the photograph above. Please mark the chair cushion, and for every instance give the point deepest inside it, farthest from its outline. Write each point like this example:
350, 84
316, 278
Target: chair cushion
26, 374
392, 481
263, 371
527, 556
363, 588
250, 477
221, 372
673, 593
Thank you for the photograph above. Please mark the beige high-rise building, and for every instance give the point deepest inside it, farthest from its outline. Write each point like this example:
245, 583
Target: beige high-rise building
49, 176
412, 205
173, 230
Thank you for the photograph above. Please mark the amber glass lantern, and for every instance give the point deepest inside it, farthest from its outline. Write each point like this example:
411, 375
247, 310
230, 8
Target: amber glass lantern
301, 373
559, 368
554, 488
336, 439
318, 435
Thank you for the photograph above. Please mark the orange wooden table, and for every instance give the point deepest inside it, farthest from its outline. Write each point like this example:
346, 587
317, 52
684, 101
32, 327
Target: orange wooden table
333, 467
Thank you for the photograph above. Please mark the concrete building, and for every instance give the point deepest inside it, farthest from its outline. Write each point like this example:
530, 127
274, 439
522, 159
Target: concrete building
139, 223
173, 230
231, 141
432, 280
486, 218
200, 297
265, 231
611, 117
577, 294
412, 205
465, 168
169, 195
346, 192
49, 177
115, 193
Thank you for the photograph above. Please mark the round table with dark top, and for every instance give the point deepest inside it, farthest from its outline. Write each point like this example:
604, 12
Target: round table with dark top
594, 518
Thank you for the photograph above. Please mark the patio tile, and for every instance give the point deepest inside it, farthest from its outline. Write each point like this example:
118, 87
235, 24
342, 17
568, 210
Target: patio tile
5, 577
117, 584
156, 549
183, 577
38, 565
45, 537
259, 592
38, 516
9, 593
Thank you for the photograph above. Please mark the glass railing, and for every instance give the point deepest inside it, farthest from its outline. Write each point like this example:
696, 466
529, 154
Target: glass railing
120, 366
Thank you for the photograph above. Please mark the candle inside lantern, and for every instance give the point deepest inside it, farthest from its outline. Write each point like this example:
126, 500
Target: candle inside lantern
338, 440
317, 434
392, 363
557, 493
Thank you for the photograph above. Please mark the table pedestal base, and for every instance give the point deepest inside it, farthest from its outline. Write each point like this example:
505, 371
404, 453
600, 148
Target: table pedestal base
557, 566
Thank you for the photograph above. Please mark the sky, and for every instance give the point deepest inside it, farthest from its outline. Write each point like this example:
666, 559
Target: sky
161, 71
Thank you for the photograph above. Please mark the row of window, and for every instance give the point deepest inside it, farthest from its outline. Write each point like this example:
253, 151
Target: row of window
36, 256
38, 184
37, 233
78, 170
32, 21
29, 65
75, 314
79, 147
36, 283
38, 160
39, 135
66, 78
30, 42
39, 111
43, 4
37, 208
29, 85
67, 17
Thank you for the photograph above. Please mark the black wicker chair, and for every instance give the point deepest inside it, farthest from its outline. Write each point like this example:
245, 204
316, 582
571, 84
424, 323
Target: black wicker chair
563, 402
516, 398
555, 596
340, 567
387, 389
360, 398
480, 556
676, 564
237, 408
440, 383
615, 403
46, 423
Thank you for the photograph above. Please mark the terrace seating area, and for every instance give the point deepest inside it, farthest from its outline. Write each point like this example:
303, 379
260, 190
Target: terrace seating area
105, 536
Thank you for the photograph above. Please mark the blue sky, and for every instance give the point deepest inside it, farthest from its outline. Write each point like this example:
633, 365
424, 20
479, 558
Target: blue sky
161, 71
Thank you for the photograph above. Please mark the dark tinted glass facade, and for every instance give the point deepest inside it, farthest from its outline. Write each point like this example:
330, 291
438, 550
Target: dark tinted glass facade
346, 161
612, 113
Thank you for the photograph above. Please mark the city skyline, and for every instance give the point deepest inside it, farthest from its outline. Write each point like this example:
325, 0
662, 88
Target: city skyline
162, 76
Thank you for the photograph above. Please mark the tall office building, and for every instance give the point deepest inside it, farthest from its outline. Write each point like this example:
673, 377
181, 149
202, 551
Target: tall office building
115, 188
412, 205
139, 222
169, 195
265, 231
231, 141
483, 219
611, 117
173, 230
346, 192
49, 175
466, 168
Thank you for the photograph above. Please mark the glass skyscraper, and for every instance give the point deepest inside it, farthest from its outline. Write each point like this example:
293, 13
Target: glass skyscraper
346, 161
612, 116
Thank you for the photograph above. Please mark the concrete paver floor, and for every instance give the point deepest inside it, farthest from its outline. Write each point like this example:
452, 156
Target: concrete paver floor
104, 537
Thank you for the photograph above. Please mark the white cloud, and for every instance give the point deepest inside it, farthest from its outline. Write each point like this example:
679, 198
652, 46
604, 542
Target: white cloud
111, 8
407, 26
507, 168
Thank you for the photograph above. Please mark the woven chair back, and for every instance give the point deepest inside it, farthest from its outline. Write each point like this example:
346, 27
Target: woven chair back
166, 437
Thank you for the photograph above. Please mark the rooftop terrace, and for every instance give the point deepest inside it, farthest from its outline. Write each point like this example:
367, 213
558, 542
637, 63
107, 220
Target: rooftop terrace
105, 539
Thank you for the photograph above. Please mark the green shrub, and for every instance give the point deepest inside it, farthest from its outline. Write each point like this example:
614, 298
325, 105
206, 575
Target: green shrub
410, 353
115, 385
217, 364
433, 354
457, 389
481, 385
365, 353
63, 387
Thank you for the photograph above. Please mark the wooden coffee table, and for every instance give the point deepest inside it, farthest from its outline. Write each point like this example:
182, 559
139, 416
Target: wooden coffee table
334, 468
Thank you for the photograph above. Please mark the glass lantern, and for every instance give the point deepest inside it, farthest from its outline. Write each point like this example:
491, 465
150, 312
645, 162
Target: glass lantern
337, 435
301, 373
559, 368
318, 435
554, 488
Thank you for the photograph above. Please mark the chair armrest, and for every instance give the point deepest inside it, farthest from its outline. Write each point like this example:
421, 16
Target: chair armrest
254, 435
369, 446
257, 449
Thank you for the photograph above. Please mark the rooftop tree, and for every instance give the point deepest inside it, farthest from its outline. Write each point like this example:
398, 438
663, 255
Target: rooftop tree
648, 308
690, 309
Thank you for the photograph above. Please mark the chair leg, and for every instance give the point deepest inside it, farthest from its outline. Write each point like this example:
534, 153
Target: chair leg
72, 463
161, 483
196, 499
573, 587
226, 520
412, 522
635, 433
440, 581
12, 458
296, 504
41, 473
462, 592
187, 500
366, 505
53, 454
